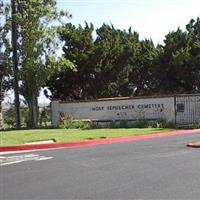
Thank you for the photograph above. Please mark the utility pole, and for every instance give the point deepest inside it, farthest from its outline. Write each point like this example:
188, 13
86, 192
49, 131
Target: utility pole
15, 64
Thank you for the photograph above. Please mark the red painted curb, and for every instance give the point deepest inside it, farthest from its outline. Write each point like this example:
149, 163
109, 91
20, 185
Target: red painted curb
95, 142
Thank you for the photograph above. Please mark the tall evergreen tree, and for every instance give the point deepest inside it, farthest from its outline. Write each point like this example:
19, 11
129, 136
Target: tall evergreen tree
178, 70
193, 29
143, 67
4, 53
78, 48
114, 50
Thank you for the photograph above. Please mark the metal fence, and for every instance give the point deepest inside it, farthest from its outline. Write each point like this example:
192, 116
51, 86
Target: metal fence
187, 110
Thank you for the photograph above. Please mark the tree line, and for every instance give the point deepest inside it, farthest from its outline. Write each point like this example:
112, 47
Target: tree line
118, 63
106, 62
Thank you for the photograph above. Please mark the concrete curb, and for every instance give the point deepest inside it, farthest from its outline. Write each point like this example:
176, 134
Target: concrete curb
89, 143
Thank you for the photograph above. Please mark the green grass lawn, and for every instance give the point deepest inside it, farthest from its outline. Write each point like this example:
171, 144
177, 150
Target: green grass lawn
9, 138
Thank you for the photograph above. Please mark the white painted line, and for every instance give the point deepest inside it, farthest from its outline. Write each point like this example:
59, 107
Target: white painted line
9, 160
45, 158
10, 163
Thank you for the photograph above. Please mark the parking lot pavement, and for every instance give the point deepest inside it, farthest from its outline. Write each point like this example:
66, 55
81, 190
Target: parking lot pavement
159, 168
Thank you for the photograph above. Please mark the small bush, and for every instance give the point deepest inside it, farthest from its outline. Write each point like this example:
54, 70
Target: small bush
196, 125
94, 125
141, 123
79, 124
65, 120
68, 122
169, 124
118, 124
112, 124
123, 124
44, 117
162, 123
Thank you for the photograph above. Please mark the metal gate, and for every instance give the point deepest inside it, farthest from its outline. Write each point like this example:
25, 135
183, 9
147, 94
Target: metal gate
187, 110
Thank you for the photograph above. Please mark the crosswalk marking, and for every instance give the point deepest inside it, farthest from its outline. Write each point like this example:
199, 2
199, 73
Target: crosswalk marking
9, 160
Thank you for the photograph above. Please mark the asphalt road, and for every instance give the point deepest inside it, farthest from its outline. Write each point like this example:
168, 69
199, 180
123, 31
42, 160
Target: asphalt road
161, 168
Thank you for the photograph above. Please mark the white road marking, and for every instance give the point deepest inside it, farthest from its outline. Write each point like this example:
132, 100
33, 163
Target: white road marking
9, 160
9, 163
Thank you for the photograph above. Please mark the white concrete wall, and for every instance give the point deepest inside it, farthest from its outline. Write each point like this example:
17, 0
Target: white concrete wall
129, 109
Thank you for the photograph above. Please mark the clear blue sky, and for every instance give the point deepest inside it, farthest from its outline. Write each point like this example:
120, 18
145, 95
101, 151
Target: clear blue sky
150, 18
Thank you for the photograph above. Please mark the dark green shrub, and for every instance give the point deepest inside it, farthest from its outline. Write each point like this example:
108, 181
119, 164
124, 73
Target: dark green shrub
162, 123
95, 125
196, 125
9, 117
65, 120
112, 124
123, 124
68, 122
169, 124
44, 117
141, 123
79, 124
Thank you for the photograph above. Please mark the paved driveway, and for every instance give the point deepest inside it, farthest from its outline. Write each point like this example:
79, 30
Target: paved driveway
162, 168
